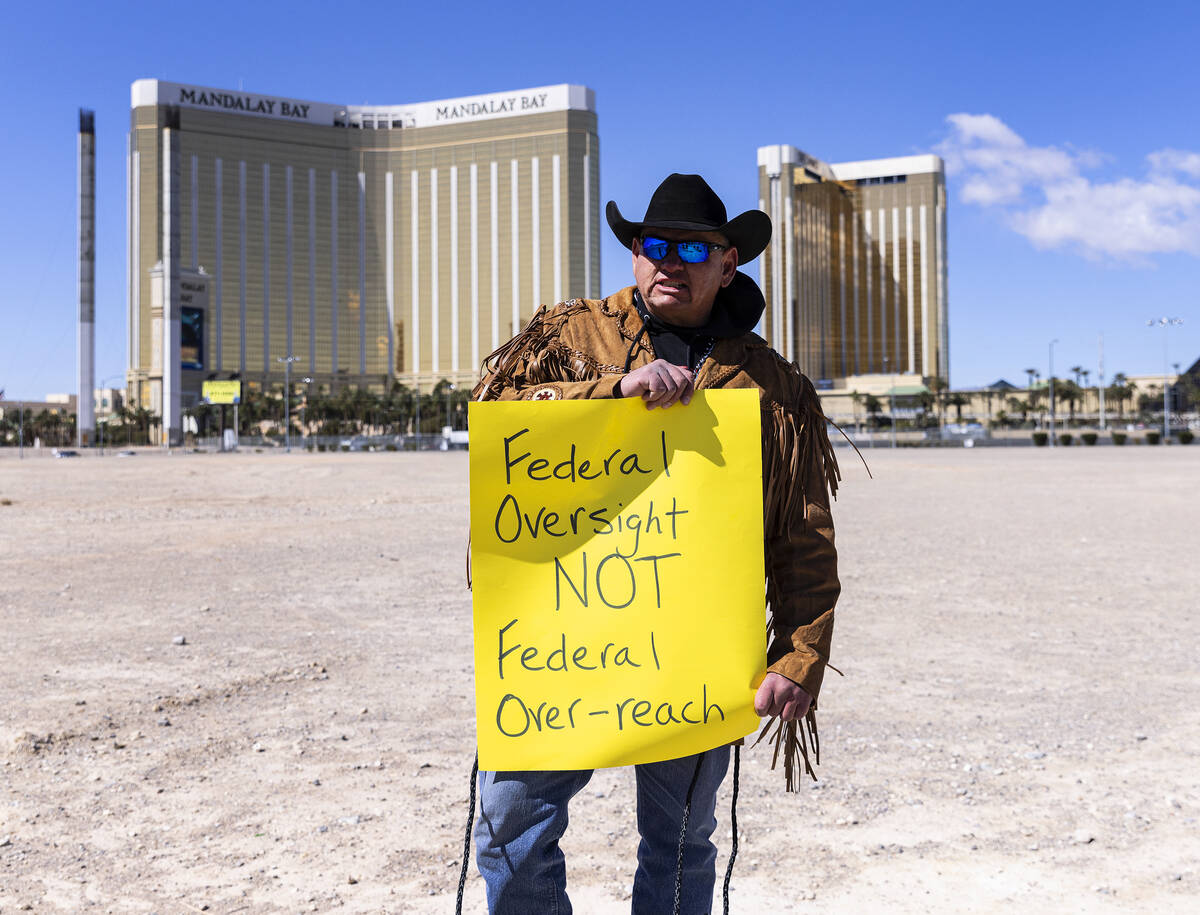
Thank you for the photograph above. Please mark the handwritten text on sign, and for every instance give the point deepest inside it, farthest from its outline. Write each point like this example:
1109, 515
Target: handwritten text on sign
618, 579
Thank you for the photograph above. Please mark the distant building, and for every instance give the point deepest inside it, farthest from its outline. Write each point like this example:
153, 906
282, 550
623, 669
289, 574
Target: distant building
107, 402
371, 242
58, 404
855, 274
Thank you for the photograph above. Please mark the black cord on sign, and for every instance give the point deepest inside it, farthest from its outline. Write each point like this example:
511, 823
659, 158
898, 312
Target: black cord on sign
687, 809
462, 876
737, 764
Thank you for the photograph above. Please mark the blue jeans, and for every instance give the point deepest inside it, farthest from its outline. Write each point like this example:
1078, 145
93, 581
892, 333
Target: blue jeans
522, 816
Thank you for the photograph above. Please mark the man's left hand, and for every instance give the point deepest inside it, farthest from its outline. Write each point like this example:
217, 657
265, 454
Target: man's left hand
779, 697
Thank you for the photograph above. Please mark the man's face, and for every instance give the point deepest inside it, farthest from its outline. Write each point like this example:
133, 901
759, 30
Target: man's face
678, 293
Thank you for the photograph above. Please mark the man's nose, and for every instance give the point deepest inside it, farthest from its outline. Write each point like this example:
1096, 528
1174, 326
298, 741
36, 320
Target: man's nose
671, 261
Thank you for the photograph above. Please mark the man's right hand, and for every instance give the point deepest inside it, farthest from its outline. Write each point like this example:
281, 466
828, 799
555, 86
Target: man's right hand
659, 384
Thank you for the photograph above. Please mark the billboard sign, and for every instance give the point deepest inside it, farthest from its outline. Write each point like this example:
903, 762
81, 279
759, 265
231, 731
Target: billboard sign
217, 392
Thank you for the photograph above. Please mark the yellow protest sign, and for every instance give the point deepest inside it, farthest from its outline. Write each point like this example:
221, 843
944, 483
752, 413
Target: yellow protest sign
617, 557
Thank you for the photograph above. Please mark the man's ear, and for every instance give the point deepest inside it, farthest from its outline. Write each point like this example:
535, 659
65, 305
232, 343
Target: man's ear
729, 263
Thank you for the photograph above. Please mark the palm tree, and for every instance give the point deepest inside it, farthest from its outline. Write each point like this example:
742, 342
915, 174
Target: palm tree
423, 409
1070, 392
1032, 373
938, 386
958, 401
856, 399
1039, 400
135, 421
253, 410
1017, 405
41, 424
874, 407
1147, 402
1120, 390
927, 402
1077, 371
441, 396
396, 406
988, 394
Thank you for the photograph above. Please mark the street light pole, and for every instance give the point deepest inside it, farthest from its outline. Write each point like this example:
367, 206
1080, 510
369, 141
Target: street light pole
1052, 342
287, 398
1166, 324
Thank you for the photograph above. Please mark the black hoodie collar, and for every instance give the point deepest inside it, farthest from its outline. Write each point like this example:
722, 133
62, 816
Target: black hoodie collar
735, 312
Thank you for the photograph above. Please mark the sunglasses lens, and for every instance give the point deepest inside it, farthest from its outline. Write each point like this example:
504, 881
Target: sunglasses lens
654, 248
692, 252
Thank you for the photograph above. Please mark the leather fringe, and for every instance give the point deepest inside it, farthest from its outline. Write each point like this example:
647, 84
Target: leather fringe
534, 356
796, 740
797, 455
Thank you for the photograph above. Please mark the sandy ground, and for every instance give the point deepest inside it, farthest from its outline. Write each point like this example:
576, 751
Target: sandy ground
1018, 723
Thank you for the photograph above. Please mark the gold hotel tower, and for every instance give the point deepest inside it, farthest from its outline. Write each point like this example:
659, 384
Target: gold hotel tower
855, 274
370, 242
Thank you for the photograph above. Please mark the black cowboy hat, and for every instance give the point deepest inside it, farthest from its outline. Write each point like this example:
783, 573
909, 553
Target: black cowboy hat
687, 202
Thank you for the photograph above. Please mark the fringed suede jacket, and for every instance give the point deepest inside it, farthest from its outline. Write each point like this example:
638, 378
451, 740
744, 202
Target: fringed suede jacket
582, 348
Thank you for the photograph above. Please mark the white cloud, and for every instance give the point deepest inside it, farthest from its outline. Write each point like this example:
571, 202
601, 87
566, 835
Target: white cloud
1045, 195
1166, 161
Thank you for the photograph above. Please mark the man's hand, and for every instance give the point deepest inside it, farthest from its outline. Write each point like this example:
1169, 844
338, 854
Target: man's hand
778, 696
659, 384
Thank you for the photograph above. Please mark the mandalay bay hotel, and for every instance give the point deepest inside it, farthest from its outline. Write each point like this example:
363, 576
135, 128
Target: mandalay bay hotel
370, 243
855, 274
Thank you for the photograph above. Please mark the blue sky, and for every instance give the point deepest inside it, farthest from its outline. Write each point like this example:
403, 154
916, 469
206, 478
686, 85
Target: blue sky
1071, 129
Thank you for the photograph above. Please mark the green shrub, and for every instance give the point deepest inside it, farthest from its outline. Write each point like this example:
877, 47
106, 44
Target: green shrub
1065, 439
1185, 437
320, 446
345, 447
1041, 438
1089, 438
1119, 438
1153, 438
389, 447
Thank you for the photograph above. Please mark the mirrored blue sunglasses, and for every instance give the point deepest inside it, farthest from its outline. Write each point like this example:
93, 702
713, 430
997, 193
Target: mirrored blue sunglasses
690, 252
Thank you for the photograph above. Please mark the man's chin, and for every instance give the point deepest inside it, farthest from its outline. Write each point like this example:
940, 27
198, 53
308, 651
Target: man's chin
670, 300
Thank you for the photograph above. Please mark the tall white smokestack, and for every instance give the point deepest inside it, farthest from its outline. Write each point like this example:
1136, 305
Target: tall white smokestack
172, 412
85, 414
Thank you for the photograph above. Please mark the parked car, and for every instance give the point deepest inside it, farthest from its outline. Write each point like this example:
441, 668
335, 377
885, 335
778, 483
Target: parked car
355, 443
960, 432
64, 453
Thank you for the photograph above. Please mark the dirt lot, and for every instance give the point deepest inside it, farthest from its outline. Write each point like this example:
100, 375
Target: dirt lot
1018, 723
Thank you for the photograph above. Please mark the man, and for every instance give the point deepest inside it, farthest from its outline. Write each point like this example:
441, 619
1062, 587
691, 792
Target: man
685, 325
